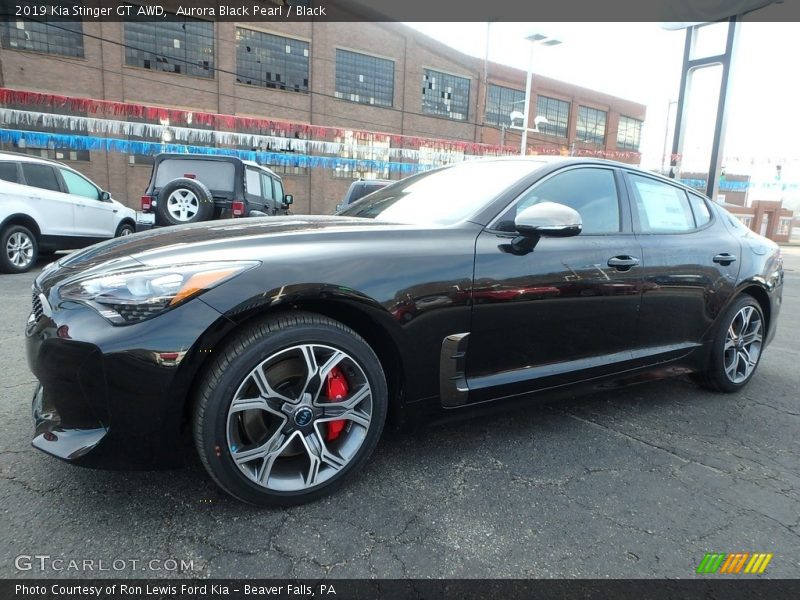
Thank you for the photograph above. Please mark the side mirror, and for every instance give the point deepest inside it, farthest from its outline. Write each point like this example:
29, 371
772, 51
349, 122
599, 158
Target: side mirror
288, 199
105, 196
548, 219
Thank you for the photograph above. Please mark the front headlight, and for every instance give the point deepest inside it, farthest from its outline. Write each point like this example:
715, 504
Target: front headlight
137, 294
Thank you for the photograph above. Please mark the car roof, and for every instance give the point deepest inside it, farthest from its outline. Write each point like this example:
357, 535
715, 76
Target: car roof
20, 157
550, 160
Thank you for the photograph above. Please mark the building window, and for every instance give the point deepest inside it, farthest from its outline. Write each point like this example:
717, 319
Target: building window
502, 101
591, 125
557, 114
445, 95
784, 226
628, 134
64, 38
271, 61
172, 45
746, 220
363, 78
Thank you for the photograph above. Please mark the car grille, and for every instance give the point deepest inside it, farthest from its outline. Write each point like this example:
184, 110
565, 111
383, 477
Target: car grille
38, 310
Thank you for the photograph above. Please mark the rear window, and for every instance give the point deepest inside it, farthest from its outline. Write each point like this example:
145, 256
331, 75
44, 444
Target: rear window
216, 175
363, 189
8, 172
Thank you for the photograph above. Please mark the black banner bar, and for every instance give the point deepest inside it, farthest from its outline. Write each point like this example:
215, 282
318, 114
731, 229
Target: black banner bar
408, 10
729, 588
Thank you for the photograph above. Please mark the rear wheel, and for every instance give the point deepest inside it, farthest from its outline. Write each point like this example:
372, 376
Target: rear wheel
19, 249
289, 409
737, 347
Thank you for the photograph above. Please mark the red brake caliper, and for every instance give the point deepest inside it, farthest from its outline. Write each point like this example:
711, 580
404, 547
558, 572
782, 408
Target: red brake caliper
336, 389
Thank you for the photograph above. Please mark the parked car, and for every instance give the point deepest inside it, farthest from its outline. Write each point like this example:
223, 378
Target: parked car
360, 188
47, 206
190, 188
284, 343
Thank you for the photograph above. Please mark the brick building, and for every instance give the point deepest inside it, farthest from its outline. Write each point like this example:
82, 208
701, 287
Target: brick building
372, 82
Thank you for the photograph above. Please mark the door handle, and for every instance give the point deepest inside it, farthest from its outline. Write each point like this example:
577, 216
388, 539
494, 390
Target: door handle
724, 258
623, 263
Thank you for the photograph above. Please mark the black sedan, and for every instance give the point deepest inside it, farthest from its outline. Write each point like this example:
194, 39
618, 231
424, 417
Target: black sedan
283, 344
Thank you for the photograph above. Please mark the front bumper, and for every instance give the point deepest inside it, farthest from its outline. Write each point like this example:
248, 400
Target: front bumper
111, 396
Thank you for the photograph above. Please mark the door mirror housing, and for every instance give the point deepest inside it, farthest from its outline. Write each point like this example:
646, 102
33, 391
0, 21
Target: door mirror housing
288, 199
548, 219
105, 196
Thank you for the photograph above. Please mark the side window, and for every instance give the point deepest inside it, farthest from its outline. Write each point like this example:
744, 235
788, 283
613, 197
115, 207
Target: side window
253, 182
8, 172
79, 186
278, 190
41, 176
590, 191
266, 181
702, 214
662, 208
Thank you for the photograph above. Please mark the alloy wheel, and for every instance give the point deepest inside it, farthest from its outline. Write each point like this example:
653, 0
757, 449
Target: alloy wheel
182, 204
743, 344
19, 249
284, 432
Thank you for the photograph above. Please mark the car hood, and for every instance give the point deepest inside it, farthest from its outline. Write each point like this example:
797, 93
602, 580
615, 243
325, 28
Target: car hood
213, 240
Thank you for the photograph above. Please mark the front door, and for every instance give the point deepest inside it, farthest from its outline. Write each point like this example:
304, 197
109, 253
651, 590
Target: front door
565, 311
94, 218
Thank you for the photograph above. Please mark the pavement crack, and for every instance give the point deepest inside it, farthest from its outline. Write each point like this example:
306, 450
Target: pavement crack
644, 442
773, 407
16, 385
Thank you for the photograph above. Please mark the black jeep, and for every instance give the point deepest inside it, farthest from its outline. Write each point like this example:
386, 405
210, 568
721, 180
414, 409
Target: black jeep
189, 188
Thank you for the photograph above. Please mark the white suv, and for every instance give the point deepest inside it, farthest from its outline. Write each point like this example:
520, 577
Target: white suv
46, 206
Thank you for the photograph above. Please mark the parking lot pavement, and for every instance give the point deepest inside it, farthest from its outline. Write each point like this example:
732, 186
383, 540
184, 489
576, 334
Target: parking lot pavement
630, 483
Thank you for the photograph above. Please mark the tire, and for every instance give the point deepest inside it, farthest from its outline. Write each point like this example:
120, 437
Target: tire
19, 249
266, 441
737, 347
125, 229
184, 200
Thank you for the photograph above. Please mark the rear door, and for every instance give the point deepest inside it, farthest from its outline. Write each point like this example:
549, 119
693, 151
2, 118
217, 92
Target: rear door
94, 218
690, 263
254, 189
565, 311
54, 207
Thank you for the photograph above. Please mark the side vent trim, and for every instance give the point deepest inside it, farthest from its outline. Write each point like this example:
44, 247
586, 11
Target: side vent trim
453, 389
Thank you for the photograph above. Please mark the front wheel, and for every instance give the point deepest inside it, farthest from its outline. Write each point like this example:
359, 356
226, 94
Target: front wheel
125, 229
737, 347
289, 410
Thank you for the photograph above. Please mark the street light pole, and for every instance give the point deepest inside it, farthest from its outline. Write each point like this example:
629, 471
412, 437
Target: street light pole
523, 147
535, 38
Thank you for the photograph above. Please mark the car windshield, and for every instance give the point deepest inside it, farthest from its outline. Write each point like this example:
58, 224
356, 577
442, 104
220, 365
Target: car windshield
444, 196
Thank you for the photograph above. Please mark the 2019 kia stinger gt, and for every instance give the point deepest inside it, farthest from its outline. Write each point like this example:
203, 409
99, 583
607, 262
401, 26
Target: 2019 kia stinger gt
283, 343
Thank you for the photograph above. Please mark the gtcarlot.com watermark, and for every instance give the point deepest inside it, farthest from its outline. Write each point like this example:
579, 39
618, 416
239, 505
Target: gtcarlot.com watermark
59, 564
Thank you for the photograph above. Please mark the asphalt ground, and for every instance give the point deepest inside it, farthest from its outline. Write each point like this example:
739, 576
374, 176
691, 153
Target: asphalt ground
639, 482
